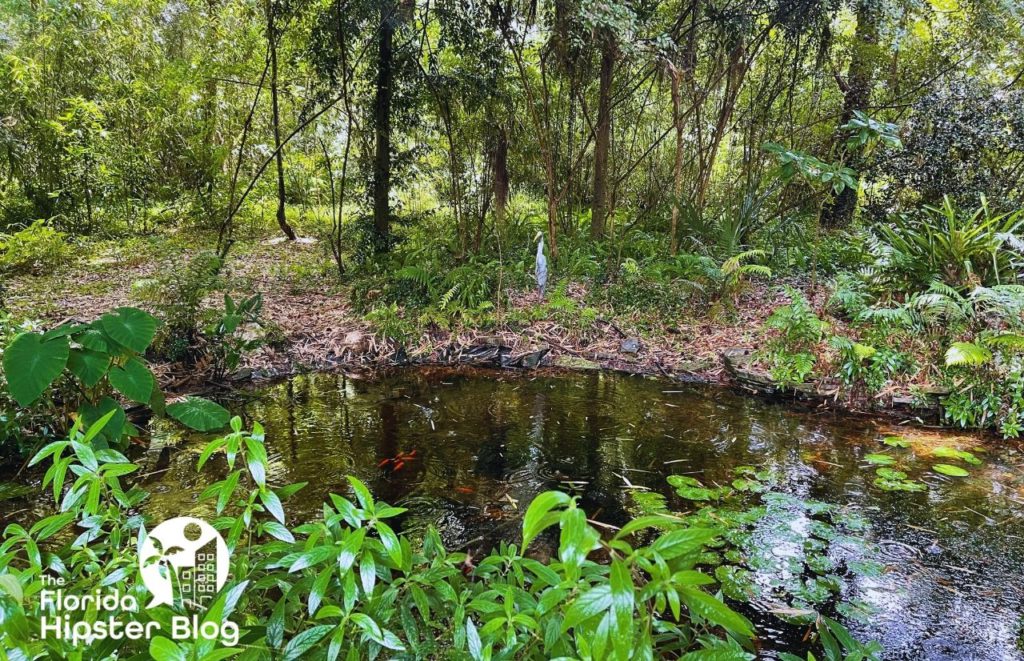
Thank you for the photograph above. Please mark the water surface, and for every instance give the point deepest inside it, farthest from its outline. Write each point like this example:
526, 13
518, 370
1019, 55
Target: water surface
475, 447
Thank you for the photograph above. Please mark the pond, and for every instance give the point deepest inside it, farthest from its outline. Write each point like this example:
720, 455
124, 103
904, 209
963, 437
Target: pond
467, 450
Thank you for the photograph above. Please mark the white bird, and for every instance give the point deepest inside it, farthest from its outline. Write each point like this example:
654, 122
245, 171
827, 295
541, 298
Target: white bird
541, 265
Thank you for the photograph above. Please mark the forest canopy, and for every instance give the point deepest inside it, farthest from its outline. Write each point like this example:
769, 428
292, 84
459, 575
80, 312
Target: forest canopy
606, 117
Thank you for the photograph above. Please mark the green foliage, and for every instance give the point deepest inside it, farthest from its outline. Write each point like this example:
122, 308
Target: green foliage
37, 249
797, 164
389, 322
791, 353
346, 583
177, 296
228, 337
103, 358
829, 552
962, 249
864, 367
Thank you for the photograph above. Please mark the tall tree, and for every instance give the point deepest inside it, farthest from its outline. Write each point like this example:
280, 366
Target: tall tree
272, 36
382, 124
603, 134
838, 212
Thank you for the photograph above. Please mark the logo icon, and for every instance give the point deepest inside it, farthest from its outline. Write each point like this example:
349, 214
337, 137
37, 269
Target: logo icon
184, 560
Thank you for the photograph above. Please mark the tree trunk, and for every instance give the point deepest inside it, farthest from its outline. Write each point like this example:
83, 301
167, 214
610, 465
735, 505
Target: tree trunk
500, 165
602, 139
677, 167
733, 82
838, 212
272, 41
382, 127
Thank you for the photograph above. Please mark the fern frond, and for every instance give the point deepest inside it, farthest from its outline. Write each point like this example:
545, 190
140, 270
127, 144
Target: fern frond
967, 354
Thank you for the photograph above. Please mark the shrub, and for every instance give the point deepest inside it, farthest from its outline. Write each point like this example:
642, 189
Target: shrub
36, 249
103, 360
961, 249
177, 296
791, 354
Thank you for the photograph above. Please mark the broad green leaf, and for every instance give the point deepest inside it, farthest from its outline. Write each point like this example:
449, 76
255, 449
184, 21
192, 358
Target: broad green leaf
31, 365
129, 327
114, 428
473, 640
199, 414
879, 459
680, 542
896, 442
88, 366
133, 380
591, 603
273, 504
952, 471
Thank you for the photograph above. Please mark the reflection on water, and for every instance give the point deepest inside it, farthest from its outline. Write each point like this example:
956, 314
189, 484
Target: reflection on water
466, 451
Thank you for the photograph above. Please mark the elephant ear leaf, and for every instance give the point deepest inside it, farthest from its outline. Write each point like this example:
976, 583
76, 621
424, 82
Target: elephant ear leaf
88, 366
199, 414
133, 380
130, 327
31, 364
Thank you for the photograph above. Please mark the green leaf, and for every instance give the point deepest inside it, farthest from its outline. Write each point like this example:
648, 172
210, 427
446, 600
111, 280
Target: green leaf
199, 414
537, 518
130, 327
680, 542
113, 429
622, 607
88, 366
165, 649
967, 354
590, 604
879, 459
473, 640
716, 612
302, 643
31, 365
275, 529
952, 471
133, 380
896, 442
273, 504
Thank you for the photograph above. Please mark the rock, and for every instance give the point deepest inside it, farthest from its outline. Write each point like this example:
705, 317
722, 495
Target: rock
575, 363
699, 365
630, 345
529, 360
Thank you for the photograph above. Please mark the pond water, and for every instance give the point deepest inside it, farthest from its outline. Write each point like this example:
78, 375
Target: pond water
468, 450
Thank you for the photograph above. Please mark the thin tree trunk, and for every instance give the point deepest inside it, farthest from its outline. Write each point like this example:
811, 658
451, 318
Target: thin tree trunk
838, 212
272, 41
677, 167
382, 126
602, 139
500, 165
733, 83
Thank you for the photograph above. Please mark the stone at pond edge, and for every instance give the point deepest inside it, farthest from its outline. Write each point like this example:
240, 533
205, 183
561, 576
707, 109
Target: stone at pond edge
574, 363
630, 345
529, 360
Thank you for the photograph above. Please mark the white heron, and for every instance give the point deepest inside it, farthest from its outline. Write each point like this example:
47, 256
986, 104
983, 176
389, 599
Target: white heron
541, 267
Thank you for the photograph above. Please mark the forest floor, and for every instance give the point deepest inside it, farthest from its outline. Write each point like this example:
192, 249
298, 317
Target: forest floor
318, 327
